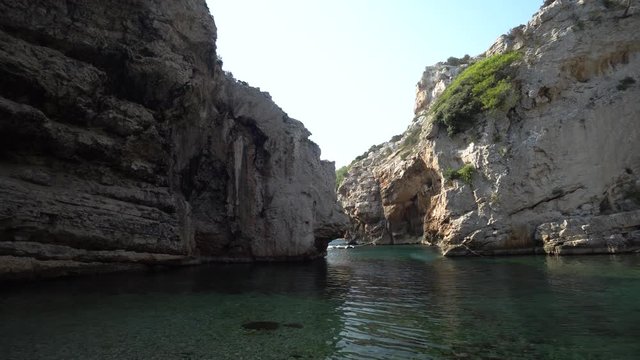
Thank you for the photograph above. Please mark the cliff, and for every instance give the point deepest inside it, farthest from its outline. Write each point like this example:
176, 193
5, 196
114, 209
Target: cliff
531, 147
123, 144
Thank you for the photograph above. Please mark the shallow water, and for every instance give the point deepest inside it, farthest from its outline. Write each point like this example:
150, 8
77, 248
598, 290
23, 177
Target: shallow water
366, 303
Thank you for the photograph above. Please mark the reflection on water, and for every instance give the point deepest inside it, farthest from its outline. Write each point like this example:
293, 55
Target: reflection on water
365, 303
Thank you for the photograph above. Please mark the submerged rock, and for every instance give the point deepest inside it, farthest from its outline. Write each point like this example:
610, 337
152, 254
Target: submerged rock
269, 325
551, 166
261, 325
123, 144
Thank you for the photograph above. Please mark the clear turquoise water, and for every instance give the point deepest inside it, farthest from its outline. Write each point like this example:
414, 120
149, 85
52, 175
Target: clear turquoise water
402, 302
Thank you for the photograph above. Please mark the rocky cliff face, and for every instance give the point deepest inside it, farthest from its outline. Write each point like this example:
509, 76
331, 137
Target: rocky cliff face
555, 169
123, 144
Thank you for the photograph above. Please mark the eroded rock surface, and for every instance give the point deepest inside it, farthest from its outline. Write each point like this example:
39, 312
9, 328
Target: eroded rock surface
557, 171
124, 144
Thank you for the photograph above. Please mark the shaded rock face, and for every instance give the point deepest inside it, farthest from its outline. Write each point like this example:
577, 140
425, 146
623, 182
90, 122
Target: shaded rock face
123, 143
557, 172
389, 209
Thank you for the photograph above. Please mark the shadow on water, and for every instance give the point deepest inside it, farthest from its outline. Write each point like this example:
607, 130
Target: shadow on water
264, 278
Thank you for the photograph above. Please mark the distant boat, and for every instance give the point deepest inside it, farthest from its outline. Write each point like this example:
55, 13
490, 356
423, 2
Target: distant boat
340, 247
339, 244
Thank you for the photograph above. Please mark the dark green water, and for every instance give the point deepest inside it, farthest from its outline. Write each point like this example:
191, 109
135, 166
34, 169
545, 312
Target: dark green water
366, 303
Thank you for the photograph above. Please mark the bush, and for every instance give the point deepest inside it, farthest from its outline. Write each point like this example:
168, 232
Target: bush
412, 138
360, 157
365, 154
374, 148
482, 86
454, 61
409, 141
340, 175
465, 173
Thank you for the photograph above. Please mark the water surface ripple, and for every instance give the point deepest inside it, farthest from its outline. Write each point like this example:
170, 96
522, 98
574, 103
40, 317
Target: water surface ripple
402, 302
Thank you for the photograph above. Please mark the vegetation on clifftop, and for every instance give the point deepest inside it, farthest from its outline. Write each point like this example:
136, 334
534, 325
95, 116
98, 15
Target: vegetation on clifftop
458, 61
484, 85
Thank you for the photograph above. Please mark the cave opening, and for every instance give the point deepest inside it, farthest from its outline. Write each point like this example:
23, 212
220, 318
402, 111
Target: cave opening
407, 202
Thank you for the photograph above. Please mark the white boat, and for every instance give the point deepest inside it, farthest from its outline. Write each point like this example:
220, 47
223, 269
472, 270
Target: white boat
339, 244
341, 247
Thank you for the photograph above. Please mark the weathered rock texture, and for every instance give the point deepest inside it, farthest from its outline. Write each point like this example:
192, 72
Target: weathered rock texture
558, 172
123, 144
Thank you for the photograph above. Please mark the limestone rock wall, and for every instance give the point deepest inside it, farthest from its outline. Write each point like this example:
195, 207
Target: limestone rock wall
124, 144
559, 172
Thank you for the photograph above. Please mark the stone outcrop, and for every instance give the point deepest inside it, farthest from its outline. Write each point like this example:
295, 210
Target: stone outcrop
595, 234
556, 171
123, 144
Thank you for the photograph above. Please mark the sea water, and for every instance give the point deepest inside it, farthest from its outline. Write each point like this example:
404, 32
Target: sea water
384, 302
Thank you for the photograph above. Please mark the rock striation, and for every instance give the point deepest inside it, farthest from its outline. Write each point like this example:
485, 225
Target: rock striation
124, 144
556, 170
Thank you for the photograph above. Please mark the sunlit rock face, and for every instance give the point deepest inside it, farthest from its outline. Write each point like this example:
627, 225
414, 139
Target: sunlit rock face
124, 144
557, 171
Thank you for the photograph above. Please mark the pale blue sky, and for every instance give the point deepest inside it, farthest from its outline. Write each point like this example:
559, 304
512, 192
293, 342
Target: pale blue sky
348, 68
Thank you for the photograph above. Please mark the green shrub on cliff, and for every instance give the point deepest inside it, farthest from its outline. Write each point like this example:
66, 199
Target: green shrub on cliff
340, 174
412, 138
484, 85
454, 61
465, 173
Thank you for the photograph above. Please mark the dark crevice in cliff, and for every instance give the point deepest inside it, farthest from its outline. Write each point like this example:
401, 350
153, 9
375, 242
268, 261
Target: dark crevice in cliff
261, 158
554, 196
21, 128
44, 232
